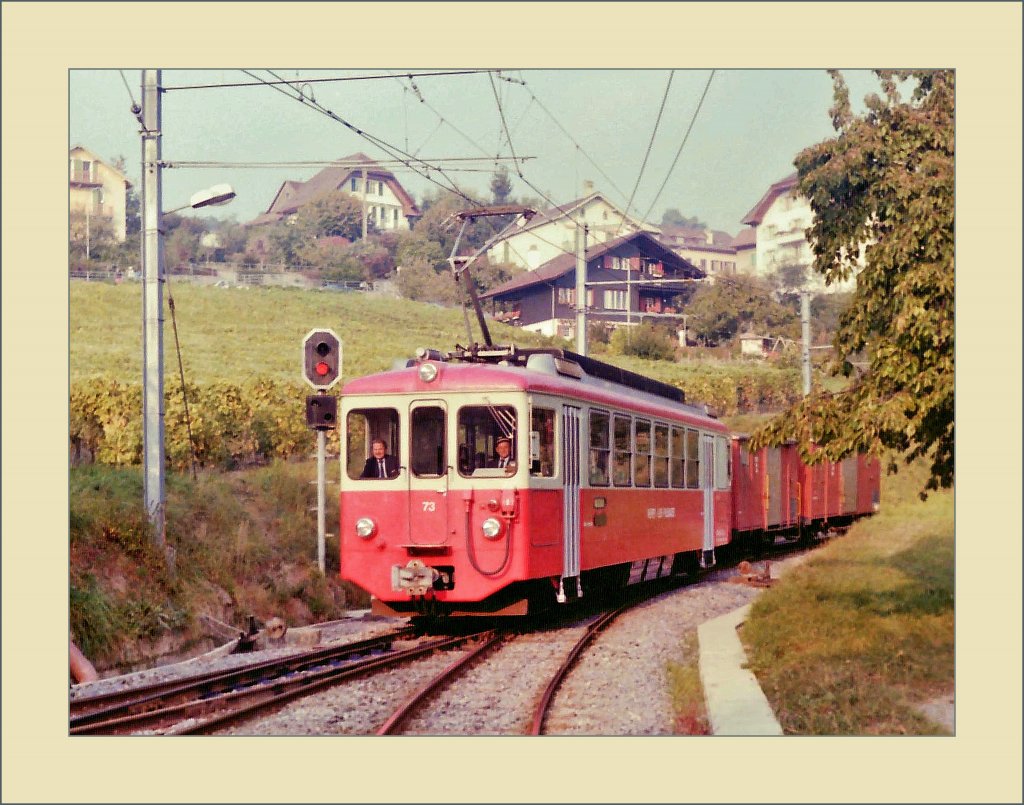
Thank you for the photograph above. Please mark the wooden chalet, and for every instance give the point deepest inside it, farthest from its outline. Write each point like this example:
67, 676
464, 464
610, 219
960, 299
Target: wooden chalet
629, 279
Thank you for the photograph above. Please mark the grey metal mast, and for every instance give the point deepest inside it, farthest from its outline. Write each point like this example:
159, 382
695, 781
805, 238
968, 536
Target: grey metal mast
152, 309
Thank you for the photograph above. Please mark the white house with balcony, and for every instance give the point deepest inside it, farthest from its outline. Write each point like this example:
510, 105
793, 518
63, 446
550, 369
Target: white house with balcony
387, 204
98, 191
552, 232
781, 222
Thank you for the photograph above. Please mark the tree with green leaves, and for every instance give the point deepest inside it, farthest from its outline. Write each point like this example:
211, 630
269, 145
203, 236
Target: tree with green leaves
501, 185
733, 305
672, 218
885, 184
333, 213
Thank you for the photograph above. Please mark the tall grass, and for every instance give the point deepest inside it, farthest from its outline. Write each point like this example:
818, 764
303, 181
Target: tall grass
244, 543
851, 641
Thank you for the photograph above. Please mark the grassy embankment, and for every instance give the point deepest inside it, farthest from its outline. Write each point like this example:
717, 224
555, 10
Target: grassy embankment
245, 540
854, 639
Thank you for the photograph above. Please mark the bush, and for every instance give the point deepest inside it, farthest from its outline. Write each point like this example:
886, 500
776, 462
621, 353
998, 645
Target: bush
644, 341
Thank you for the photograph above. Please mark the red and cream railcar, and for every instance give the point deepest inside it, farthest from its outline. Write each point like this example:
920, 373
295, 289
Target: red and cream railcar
615, 479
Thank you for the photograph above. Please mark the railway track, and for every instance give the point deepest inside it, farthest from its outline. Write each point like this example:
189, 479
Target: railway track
210, 701
492, 642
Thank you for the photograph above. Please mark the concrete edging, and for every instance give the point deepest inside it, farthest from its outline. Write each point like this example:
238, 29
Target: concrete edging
736, 704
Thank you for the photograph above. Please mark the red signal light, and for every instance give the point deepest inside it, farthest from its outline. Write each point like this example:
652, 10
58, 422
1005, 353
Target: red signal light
322, 369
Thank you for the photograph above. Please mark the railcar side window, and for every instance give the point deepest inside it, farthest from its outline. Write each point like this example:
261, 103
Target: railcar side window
722, 459
692, 459
542, 442
599, 448
661, 455
623, 452
678, 459
428, 440
642, 457
364, 426
479, 428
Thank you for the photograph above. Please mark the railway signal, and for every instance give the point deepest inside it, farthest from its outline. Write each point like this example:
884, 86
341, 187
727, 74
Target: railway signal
322, 411
321, 368
321, 358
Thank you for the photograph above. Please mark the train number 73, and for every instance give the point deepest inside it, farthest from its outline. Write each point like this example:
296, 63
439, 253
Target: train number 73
429, 505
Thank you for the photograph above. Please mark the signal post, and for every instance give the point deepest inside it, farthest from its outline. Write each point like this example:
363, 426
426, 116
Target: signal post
321, 368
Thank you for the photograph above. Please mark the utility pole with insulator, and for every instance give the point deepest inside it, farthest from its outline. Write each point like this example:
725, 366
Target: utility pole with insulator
581, 288
152, 309
805, 322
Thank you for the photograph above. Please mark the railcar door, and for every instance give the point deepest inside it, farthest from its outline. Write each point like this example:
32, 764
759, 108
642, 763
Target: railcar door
849, 470
571, 463
773, 483
428, 472
707, 484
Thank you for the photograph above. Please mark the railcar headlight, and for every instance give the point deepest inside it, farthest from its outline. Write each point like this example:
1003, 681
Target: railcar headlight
365, 527
491, 528
428, 371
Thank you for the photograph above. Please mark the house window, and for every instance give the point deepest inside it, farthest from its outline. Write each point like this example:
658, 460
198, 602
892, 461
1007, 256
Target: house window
395, 212
615, 300
353, 184
567, 296
703, 265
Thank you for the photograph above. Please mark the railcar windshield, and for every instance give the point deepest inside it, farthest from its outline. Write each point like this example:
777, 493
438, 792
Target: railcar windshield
372, 443
480, 428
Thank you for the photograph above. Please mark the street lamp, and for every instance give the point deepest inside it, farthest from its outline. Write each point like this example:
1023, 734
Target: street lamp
214, 196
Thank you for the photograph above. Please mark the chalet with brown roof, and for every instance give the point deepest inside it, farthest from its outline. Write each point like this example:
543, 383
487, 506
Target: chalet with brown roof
631, 278
388, 206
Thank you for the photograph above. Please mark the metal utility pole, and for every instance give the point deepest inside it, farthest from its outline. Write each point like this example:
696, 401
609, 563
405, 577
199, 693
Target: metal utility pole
805, 322
581, 288
152, 309
321, 501
364, 203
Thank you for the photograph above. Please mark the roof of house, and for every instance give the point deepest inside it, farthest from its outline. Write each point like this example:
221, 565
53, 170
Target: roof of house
698, 235
101, 161
745, 239
293, 194
560, 211
566, 263
757, 213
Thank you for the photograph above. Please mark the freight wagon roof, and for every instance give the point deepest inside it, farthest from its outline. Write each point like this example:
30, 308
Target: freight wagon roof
479, 378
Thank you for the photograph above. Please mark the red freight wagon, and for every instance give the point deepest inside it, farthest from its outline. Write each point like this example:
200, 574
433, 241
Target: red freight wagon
765, 489
614, 479
836, 493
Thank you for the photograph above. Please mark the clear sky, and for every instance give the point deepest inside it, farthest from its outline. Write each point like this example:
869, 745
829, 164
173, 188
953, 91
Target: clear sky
744, 137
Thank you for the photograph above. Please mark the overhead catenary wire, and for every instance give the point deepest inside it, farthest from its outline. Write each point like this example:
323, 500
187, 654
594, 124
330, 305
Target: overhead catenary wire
647, 154
572, 139
383, 145
682, 145
293, 81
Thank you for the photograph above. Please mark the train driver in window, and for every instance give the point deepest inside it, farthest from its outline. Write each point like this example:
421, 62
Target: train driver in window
381, 464
504, 457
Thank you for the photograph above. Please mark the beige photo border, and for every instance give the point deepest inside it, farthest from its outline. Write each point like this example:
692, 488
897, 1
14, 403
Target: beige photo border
42, 41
